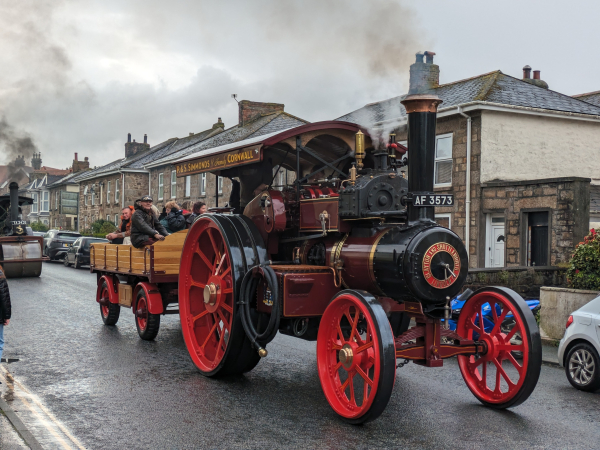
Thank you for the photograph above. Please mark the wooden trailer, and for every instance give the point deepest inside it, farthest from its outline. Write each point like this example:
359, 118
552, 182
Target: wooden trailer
143, 279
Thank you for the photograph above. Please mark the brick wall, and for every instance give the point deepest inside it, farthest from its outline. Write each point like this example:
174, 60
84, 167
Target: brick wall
457, 126
136, 185
526, 281
566, 199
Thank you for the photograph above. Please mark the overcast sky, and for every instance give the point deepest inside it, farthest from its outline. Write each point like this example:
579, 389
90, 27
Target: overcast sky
77, 76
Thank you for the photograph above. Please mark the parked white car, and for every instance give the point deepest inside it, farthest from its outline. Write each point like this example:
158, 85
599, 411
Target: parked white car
580, 346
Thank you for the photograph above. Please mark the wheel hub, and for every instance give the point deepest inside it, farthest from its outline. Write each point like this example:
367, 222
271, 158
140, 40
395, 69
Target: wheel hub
210, 294
346, 356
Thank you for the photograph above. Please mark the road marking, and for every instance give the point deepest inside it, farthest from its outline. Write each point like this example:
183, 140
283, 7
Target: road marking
40, 413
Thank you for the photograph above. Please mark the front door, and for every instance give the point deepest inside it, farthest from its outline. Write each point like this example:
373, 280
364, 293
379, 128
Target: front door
495, 237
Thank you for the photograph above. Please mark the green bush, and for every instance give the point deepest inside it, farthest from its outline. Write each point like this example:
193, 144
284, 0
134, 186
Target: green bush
584, 267
38, 226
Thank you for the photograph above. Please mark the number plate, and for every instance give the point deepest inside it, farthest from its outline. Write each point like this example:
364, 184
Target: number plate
433, 200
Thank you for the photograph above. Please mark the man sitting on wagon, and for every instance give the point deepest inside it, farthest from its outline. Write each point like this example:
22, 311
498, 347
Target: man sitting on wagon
145, 227
124, 231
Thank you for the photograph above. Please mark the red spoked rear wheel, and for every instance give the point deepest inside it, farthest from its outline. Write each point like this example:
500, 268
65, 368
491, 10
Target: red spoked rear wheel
108, 311
498, 379
356, 356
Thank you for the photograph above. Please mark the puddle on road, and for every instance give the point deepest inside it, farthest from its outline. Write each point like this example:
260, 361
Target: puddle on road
46, 428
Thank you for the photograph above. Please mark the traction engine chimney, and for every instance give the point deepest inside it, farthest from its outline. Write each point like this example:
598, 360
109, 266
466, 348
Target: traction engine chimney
14, 201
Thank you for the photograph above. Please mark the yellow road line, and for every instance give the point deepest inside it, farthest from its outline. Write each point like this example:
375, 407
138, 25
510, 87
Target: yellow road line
9, 379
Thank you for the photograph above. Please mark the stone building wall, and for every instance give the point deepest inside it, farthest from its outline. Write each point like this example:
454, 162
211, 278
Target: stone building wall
136, 185
566, 199
457, 126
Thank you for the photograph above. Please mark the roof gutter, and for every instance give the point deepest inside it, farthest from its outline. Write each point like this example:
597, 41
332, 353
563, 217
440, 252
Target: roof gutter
113, 172
489, 106
468, 183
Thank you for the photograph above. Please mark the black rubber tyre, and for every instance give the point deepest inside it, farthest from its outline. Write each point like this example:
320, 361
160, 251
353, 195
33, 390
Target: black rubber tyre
110, 314
76, 264
66, 262
147, 324
235, 235
371, 320
582, 367
530, 365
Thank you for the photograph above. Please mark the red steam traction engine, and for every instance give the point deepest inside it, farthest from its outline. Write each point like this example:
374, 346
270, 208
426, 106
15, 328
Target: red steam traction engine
345, 255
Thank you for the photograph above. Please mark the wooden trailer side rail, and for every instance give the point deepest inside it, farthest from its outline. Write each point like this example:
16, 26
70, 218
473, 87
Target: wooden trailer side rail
159, 262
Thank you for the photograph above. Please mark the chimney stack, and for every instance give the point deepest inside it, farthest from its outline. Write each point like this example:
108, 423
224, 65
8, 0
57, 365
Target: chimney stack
536, 80
36, 161
219, 124
250, 111
424, 76
135, 148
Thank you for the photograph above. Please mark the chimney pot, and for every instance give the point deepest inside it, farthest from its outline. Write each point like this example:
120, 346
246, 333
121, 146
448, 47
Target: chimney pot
128, 137
419, 56
145, 138
429, 57
75, 156
526, 72
536, 74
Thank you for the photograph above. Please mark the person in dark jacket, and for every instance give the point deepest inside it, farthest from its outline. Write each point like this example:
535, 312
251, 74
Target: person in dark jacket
174, 221
197, 209
145, 227
5, 309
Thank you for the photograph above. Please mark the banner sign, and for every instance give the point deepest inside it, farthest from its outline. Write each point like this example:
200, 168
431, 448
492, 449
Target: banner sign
69, 202
220, 161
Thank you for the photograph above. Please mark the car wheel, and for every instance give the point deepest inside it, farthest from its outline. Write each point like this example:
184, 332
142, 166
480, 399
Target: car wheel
66, 262
582, 367
76, 264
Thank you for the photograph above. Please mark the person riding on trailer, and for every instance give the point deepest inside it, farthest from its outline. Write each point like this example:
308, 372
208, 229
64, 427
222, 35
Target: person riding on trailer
145, 227
124, 231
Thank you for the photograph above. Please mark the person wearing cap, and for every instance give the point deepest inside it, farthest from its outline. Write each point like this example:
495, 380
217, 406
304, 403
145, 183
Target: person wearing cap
145, 227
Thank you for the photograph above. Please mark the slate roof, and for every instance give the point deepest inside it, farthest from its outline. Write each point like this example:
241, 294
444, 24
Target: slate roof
494, 87
264, 125
590, 97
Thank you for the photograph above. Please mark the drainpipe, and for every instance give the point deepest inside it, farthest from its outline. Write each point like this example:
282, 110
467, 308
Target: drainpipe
123, 190
468, 183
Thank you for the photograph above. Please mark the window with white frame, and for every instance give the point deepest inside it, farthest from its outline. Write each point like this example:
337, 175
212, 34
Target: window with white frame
117, 186
108, 217
45, 201
443, 160
85, 223
34, 206
203, 183
55, 223
93, 195
85, 196
161, 186
220, 184
173, 184
188, 186
116, 220
107, 192
444, 220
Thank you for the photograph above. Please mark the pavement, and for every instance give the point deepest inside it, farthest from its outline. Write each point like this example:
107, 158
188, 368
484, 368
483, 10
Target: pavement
81, 385
550, 354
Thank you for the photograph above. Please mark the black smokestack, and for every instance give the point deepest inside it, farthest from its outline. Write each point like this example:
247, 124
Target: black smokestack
14, 201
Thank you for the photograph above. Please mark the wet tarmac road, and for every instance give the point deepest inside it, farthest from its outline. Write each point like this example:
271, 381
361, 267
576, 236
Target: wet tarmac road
111, 390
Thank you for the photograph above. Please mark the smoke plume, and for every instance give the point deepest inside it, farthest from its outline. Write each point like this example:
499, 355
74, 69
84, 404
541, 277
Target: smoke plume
85, 73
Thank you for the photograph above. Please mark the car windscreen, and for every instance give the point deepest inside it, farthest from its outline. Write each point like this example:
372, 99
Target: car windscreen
67, 236
87, 242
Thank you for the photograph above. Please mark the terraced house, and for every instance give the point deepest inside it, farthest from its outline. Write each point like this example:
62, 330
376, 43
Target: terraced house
518, 157
254, 119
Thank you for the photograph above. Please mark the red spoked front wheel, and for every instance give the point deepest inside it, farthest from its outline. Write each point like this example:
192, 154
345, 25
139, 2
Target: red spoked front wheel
206, 298
498, 378
356, 356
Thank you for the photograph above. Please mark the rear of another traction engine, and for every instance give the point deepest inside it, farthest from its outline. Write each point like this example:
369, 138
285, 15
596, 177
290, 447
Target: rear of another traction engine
349, 263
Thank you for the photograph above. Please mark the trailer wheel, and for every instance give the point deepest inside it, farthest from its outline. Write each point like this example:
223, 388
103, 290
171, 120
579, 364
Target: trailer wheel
213, 263
496, 378
147, 323
356, 357
109, 311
